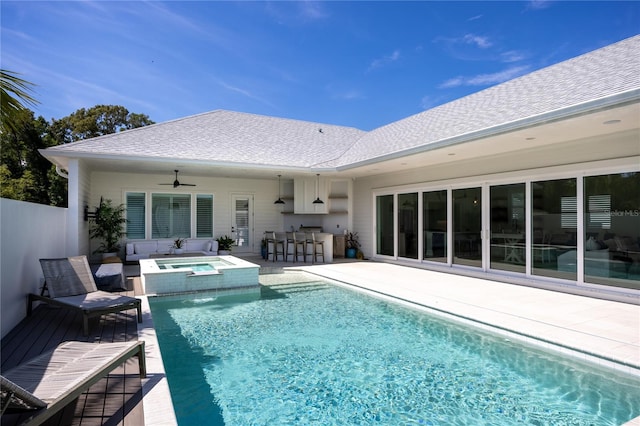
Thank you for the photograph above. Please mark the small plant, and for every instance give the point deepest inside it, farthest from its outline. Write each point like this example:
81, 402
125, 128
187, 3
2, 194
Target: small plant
225, 243
178, 243
352, 240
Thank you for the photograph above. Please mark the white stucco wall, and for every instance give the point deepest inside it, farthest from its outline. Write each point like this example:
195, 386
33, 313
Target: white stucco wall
267, 216
28, 232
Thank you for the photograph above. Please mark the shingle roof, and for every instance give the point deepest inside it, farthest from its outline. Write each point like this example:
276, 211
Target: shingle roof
226, 137
603, 73
241, 138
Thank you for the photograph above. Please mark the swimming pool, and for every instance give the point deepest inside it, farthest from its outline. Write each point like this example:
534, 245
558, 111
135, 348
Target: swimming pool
316, 354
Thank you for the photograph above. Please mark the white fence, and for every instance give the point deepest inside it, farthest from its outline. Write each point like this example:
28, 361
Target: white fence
28, 232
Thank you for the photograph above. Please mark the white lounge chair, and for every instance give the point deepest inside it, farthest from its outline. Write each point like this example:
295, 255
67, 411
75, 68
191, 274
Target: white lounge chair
70, 284
50, 381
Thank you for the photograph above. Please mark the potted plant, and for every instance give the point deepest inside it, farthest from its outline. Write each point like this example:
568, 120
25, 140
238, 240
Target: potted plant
107, 225
224, 244
178, 245
352, 244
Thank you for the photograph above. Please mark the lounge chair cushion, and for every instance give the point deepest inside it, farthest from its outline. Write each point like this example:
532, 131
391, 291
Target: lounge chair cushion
53, 379
68, 278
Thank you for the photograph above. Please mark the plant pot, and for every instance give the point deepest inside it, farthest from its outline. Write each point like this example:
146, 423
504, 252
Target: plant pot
178, 251
109, 254
351, 253
224, 252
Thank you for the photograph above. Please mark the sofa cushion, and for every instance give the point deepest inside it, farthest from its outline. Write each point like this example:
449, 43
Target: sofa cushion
164, 246
198, 245
146, 247
130, 249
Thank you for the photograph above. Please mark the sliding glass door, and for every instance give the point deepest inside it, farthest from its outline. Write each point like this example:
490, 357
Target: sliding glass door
508, 227
584, 229
385, 225
434, 220
554, 224
467, 226
408, 225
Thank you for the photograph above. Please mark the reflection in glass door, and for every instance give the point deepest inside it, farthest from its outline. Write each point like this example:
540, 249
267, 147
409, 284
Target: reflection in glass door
434, 219
508, 228
384, 225
408, 225
242, 223
467, 226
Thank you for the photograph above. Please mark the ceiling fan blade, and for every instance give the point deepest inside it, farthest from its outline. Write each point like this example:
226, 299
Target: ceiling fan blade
176, 183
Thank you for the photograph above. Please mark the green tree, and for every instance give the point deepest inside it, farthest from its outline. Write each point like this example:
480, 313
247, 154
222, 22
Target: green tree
28, 176
96, 121
12, 105
24, 171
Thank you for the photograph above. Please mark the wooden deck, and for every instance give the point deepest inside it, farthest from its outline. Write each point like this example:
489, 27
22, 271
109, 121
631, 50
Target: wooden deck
116, 399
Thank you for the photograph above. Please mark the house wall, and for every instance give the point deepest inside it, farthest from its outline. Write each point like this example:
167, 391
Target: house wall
579, 156
487, 172
267, 216
28, 232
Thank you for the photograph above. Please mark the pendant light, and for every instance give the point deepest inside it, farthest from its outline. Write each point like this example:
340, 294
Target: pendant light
317, 200
279, 200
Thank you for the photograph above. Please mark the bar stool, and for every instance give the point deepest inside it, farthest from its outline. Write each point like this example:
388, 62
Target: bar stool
300, 245
318, 248
308, 246
290, 249
270, 238
279, 243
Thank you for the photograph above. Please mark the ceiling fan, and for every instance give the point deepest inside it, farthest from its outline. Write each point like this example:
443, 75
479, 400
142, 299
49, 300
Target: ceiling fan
176, 183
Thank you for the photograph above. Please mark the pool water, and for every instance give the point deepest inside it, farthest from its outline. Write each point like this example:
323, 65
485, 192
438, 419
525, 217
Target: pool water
203, 266
311, 353
195, 267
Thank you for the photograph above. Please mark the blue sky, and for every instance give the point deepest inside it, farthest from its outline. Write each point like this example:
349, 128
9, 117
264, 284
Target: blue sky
359, 64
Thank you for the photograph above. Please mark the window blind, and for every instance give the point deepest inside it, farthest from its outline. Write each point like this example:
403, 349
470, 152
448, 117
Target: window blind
204, 216
135, 215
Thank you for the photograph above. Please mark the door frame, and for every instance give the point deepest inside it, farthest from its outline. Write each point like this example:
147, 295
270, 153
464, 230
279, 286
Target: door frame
250, 233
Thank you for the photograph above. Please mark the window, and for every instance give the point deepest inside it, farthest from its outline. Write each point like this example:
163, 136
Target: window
204, 216
170, 215
135, 215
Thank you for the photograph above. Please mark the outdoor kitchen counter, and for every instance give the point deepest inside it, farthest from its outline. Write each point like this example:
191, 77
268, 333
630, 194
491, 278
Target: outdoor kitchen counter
328, 245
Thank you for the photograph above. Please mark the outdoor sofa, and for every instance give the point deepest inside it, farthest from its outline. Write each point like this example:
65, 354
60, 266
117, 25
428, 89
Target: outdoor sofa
142, 249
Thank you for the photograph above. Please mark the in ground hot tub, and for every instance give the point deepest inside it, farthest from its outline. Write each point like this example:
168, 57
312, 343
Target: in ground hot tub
189, 274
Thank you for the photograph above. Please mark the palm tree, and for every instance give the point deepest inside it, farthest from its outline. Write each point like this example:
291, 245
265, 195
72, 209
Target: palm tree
10, 105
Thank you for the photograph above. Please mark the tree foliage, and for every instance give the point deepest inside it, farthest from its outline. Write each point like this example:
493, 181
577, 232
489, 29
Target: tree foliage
25, 174
12, 105
24, 171
96, 121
